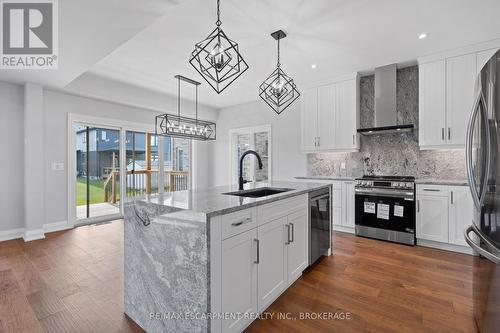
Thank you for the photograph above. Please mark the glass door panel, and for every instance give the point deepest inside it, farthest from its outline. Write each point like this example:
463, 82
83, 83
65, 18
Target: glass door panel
98, 172
176, 164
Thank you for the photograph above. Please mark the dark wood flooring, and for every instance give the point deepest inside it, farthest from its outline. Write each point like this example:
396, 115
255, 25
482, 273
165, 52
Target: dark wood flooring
72, 281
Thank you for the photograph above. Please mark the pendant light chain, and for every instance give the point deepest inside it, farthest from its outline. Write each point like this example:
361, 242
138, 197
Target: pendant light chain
218, 14
279, 52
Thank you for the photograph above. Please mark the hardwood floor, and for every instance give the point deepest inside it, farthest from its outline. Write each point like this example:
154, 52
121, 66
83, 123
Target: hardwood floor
72, 282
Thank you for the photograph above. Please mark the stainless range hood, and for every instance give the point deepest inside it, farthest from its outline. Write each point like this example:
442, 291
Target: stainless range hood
385, 104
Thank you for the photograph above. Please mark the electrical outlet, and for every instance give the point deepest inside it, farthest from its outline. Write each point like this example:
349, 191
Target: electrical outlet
56, 166
342, 165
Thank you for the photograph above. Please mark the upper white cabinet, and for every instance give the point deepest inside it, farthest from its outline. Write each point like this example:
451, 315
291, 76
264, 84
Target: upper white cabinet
432, 103
309, 119
330, 116
460, 81
446, 95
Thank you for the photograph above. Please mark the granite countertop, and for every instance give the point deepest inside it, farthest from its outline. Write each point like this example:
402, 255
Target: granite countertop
326, 178
452, 182
212, 201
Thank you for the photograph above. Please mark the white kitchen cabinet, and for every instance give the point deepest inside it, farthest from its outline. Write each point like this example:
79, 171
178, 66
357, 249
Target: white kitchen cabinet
347, 111
327, 117
446, 94
432, 213
348, 204
297, 249
460, 81
239, 279
460, 213
309, 119
330, 116
272, 270
432, 104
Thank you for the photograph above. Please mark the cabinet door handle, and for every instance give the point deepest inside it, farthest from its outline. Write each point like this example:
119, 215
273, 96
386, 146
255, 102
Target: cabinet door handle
287, 234
354, 139
237, 224
449, 133
451, 197
257, 242
319, 141
293, 232
442, 133
418, 206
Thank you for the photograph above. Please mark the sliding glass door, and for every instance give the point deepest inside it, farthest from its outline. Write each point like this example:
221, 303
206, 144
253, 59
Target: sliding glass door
97, 172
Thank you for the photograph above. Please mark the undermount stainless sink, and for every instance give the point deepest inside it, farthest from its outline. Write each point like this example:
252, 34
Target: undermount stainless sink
259, 192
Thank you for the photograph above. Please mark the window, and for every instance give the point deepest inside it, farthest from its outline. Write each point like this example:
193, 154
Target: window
251, 138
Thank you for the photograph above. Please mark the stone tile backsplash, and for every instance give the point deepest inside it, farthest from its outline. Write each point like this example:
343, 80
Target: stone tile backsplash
395, 153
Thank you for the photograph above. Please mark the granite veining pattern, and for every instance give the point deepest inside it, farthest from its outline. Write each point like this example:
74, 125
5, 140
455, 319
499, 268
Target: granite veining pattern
391, 154
165, 267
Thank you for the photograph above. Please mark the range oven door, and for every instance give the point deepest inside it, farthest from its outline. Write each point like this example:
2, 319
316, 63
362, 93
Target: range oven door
385, 211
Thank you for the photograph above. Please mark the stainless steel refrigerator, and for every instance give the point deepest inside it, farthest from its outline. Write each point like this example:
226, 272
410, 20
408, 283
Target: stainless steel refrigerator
483, 170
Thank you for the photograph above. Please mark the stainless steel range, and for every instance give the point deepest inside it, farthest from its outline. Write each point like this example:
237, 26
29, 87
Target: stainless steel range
385, 208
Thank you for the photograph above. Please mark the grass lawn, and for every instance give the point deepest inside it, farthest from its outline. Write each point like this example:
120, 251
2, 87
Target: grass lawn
96, 191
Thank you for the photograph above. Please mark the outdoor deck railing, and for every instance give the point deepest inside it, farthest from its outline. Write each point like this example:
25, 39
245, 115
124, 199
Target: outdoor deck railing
141, 182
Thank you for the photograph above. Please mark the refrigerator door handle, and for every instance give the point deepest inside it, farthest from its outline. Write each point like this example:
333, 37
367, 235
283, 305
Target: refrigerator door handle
490, 256
477, 196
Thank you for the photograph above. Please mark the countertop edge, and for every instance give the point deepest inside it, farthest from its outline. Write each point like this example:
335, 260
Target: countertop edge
282, 196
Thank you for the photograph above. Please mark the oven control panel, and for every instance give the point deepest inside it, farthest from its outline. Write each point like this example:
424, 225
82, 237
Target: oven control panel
385, 184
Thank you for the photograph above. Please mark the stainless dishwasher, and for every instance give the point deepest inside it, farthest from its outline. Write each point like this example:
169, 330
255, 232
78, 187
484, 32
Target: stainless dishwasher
319, 223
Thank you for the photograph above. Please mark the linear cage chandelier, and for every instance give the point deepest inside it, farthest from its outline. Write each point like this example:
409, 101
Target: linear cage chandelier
185, 127
217, 58
278, 90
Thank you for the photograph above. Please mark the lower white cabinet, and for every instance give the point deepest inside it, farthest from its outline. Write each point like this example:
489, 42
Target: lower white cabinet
348, 204
239, 279
343, 206
297, 249
432, 218
443, 213
257, 265
271, 270
460, 213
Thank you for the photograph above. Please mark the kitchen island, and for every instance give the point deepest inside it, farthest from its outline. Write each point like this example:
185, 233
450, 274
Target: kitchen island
205, 261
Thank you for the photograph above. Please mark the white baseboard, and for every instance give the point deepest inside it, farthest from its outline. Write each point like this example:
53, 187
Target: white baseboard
31, 235
56, 226
11, 234
343, 229
445, 246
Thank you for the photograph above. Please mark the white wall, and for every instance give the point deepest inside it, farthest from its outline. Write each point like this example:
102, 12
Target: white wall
287, 160
11, 156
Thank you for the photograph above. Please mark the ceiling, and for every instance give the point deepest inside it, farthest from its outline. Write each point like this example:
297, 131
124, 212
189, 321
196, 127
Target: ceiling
88, 31
145, 43
339, 36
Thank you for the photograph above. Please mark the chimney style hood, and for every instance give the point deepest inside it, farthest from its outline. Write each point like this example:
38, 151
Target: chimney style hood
385, 104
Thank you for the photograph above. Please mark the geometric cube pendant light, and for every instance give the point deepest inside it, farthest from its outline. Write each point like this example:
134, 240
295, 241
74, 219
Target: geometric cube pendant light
217, 58
278, 90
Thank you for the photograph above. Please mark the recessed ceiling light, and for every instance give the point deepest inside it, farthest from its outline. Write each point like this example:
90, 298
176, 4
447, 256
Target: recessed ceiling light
313, 66
423, 35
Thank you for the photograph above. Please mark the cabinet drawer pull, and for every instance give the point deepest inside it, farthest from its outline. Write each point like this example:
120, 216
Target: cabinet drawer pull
245, 221
442, 133
432, 190
293, 232
451, 197
257, 242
